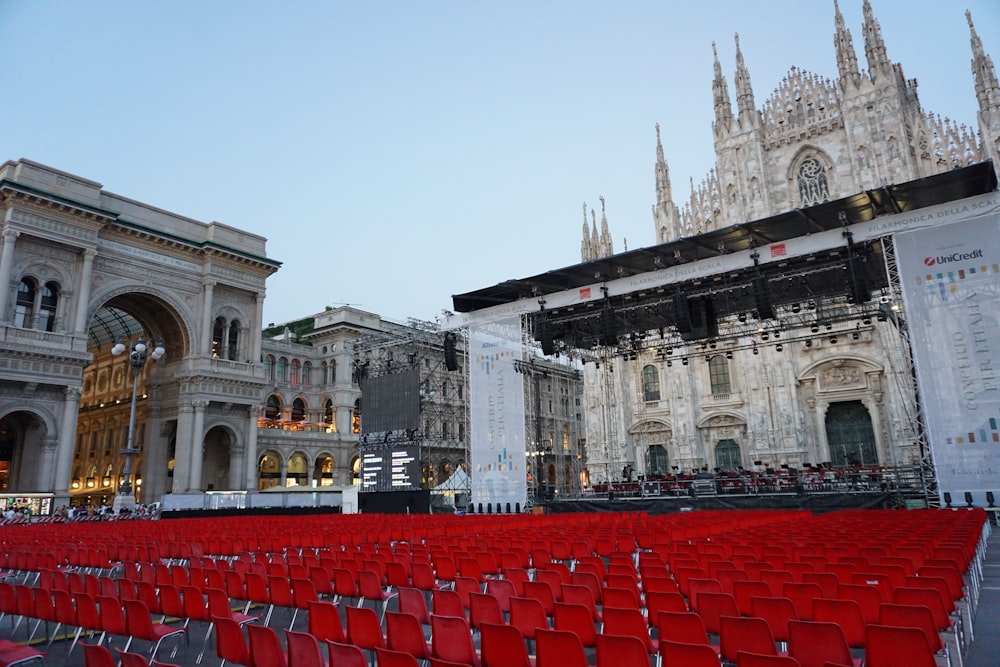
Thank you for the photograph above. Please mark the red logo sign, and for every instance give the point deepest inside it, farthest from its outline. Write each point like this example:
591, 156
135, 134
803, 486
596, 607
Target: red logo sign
585, 293
929, 261
778, 250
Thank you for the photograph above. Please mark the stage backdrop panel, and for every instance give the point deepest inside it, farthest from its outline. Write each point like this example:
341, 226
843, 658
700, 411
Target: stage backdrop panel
497, 414
951, 292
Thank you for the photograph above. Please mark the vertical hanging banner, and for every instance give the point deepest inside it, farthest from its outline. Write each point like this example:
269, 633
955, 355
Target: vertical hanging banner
497, 415
951, 292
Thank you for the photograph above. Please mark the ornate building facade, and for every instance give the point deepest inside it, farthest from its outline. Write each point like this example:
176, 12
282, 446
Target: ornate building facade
843, 396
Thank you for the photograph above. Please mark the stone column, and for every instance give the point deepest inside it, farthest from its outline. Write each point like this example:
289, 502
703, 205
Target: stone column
256, 331
83, 293
183, 451
197, 446
237, 465
250, 456
207, 322
6, 269
67, 442
47, 462
154, 462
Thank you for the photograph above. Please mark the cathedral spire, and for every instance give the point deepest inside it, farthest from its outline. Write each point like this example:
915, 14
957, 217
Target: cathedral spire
847, 59
607, 246
663, 193
983, 73
720, 92
595, 240
744, 91
586, 252
878, 61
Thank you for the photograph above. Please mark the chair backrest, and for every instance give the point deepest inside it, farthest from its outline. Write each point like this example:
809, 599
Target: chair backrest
815, 643
451, 639
746, 659
684, 627
324, 621
744, 633
777, 612
910, 616
412, 601
95, 655
619, 597
484, 608
387, 658
713, 606
502, 646
447, 603
621, 651
403, 632
559, 648
346, 655
868, 598
887, 646
628, 623
303, 650
527, 615
925, 597
744, 590
846, 614
364, 628
503, 591
676, 654
130, 659
230, 643
577, 619
265, 646
802, 595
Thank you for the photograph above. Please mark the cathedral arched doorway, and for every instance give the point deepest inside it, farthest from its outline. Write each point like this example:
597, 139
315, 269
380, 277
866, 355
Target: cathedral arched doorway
21, 438
323, 471
727, 455
658, 463
651, 437
219, 442
850, 435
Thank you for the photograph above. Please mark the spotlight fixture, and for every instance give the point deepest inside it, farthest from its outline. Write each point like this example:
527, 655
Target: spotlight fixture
776, 334
669, 363
742, 317
755, 350
833, 340
829, 325
947, 499
990, 499
708, 357
684, 361
729, 354
855, 335
764, 336
809, 343
795, 308
670, 350
814, 328
968, 498
712, 345
866, 321
778, 347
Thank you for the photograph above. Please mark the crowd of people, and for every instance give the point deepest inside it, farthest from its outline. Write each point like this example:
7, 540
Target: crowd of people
15, 514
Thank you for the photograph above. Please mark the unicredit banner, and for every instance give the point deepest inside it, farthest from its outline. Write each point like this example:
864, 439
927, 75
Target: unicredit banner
951, 291
496, 392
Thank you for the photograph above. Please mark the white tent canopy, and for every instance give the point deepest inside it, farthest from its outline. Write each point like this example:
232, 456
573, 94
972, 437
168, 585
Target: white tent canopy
459, 481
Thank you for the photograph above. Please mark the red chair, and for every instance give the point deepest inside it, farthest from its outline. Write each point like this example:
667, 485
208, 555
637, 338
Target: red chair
303, 650
815, 644
303, 592
629, 623
846, 614
484, 608
140, 625
558, 648
868, 598
387, 658
113, 619
745, 633
324, 621
230, 643
95, 655
346, 655
744, 590
412, 601
713, 606
502, 646
446, 602
405, 633
129, 659
364, 629
620, 651
887, 646
907, 616
681, 628
698, 586
528, 616
12, 654
576, 618
451, 639
777, 612
676, 654
370, 588
623, 598
744, 659
265, 646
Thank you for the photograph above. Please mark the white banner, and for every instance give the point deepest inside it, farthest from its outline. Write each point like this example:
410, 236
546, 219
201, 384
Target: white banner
951, 292
496, 393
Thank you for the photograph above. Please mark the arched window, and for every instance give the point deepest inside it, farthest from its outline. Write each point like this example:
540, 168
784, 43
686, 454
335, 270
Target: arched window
356, 417
282, 370
718, 375
306, 374
47, 308
269, 367
218, 329
813, 186
272, 408
296, 367
333, 372
24, 308
232, 344
298, 410
324, 370
650, 383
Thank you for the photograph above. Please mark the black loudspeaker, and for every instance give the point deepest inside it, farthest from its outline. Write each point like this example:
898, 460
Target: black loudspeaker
858, 289
608, 336
701, 321
545, 338
451, 351
682, 314
762, 299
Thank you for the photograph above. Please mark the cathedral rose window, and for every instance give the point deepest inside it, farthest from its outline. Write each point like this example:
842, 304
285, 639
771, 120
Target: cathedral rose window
813, 186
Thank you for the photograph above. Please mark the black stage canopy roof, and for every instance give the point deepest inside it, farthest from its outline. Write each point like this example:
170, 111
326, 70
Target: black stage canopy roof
939, 189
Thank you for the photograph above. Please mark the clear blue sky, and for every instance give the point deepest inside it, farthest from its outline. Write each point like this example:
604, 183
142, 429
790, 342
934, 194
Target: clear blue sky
397, 153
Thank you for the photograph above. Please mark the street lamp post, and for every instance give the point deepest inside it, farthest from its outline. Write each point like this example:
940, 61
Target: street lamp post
137, 357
